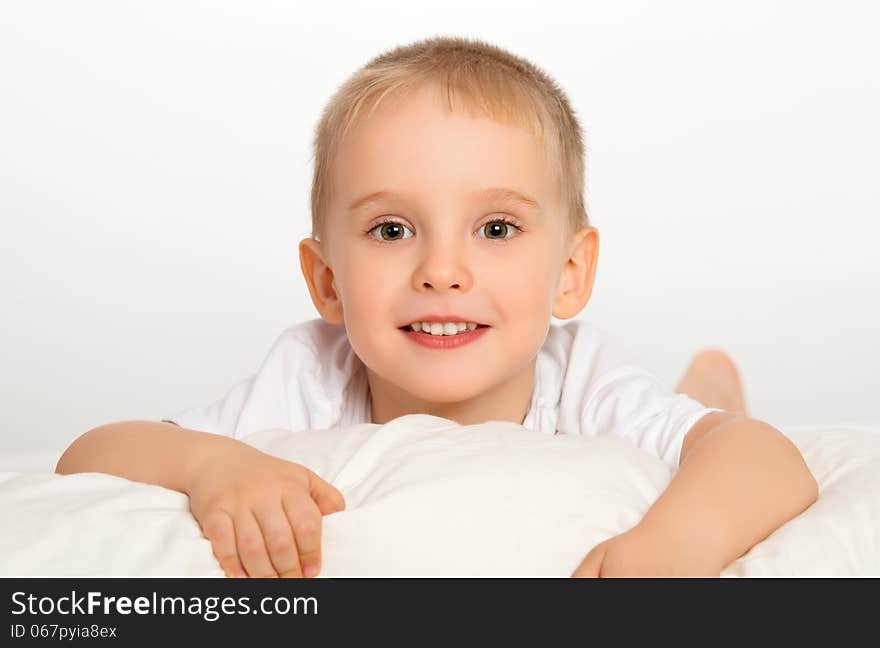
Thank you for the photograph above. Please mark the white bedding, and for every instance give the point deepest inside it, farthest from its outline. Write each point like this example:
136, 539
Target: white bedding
428, 497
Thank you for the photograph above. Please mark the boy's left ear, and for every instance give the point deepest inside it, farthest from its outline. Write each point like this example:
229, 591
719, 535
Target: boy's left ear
578, 273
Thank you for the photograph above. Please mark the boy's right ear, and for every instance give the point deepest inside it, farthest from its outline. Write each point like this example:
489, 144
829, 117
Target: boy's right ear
319, 278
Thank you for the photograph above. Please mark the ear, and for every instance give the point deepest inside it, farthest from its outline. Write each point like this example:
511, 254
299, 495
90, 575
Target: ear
319, 277
578, 273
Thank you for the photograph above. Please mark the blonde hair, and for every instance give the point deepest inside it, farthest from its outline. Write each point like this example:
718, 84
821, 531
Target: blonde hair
505, 87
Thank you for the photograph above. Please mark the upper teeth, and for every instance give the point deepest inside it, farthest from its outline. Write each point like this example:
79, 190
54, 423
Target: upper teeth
443, 328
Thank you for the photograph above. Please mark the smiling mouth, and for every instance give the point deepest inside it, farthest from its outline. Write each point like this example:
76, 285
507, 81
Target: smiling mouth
409, 329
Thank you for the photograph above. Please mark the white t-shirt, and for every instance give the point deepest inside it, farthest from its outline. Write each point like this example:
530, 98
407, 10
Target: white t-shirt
311, 379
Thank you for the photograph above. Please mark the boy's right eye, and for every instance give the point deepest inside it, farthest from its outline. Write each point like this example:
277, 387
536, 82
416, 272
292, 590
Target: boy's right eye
389, 231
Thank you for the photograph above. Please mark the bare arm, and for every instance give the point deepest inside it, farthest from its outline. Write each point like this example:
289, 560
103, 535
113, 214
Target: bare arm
261, 513
739, 480
144, 451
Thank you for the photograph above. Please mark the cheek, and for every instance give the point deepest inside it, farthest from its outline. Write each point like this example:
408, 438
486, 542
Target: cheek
371, 301
519, 287
367, 286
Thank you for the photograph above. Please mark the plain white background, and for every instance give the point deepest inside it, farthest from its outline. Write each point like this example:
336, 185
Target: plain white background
155, 165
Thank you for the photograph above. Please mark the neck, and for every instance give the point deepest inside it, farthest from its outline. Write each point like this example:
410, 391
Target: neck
507, 401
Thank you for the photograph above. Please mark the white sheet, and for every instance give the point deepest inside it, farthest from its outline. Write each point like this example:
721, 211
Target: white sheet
427, 497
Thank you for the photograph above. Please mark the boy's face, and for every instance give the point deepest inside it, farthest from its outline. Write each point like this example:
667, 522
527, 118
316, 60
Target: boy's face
453, 176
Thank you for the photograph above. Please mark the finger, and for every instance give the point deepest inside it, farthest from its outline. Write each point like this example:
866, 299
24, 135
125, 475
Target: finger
305, 520
278, 536
251, 547
219, 529
326, 496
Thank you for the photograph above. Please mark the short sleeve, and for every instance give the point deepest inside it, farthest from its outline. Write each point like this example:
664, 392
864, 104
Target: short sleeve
220, 417
632, 404
300, 385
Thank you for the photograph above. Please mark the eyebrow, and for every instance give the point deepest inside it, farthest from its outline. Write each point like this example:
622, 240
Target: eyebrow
491, 193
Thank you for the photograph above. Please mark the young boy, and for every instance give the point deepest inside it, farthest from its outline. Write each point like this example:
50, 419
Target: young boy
448, 225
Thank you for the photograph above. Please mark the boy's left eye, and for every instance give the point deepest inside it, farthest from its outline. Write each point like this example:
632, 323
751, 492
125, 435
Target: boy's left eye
500, 226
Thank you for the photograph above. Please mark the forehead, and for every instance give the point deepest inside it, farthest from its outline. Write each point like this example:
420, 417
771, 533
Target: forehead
413, 143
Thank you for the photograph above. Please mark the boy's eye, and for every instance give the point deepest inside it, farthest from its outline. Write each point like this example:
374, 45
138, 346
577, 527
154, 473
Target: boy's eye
498, 230
390, 230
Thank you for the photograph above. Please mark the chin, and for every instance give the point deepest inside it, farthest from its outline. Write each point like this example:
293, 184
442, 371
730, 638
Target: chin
455, 394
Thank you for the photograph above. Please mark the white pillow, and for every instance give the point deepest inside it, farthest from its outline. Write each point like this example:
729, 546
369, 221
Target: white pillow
428, 497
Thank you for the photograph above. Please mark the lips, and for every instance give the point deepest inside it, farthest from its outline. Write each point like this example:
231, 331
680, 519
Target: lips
442, 318
445, 342
407, 326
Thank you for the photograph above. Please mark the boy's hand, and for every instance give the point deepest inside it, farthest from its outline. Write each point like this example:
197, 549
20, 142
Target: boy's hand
262, 514
638, 553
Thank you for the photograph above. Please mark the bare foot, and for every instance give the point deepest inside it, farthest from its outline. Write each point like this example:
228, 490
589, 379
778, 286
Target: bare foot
713, 379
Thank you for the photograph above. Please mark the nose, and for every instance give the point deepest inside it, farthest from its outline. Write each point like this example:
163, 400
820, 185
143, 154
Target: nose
442, 268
